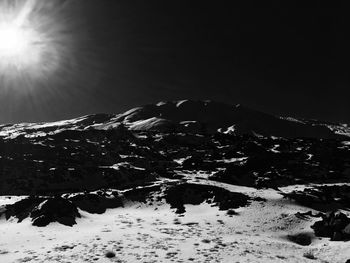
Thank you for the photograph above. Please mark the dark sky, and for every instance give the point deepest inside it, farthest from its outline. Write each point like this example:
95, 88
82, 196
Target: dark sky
278, 59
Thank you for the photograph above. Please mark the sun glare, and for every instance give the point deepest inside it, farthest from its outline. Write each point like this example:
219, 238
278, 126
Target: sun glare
17, 46
33, 41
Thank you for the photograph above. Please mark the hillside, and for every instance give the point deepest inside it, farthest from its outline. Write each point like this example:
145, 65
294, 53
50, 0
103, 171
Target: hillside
178, 181
190, 117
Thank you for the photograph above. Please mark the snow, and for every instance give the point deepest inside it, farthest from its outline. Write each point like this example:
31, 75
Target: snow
189, 116
212, 116
144, 232
140, 233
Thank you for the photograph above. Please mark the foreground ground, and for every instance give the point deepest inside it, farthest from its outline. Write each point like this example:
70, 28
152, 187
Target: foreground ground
154, 233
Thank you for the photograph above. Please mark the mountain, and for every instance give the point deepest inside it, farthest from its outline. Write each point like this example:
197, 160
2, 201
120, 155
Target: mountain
183, 181
191, 117
208, 116
135, 147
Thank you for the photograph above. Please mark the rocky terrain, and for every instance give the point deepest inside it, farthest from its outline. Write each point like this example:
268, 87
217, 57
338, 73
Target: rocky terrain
234, 183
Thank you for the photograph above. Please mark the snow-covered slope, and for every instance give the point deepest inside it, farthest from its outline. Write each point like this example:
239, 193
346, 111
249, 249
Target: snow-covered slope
178, 181
189, 116
47, 128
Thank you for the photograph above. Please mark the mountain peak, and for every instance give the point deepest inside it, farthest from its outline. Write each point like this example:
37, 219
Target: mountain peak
190, 116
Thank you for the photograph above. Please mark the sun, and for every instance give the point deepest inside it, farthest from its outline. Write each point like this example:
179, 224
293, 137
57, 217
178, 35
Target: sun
33, 41
40, 46
14, 41
17, 45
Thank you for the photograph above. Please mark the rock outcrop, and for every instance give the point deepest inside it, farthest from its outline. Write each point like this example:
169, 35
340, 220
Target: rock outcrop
334, 225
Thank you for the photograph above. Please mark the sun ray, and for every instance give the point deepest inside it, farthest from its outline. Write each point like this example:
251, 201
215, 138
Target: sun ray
30, 50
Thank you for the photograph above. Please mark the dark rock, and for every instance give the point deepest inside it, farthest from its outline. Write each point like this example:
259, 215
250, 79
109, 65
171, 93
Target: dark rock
43, 211
333, 225
179, 195
141, 194
236, 173
110, 254
300, 239
231, 212
22, 208
55, 209
41, 221
337, 236
323, 198
96, 203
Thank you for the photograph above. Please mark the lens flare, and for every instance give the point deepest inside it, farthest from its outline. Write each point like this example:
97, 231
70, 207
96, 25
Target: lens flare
18, 46
32, 42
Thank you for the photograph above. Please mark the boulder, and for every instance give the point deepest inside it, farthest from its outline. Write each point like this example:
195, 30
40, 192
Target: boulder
187, 193
43, 210
300, 239
96, 203
55, 209
333, 225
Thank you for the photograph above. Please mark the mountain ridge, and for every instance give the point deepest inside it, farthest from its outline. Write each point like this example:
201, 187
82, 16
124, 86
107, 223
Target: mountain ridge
190, 116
